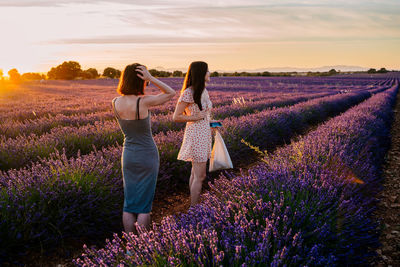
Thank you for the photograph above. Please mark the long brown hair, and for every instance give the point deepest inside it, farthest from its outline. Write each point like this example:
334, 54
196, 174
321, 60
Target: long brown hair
130, 83
195, 77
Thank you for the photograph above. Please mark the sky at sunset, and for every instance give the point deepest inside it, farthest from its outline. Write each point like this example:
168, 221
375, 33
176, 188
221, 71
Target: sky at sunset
229, 35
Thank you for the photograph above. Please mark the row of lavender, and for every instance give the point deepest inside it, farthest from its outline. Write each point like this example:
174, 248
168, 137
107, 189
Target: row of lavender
248, 103
13, 127
309, 204
75, 97
24, 149
61, 197
43, 105
56, 97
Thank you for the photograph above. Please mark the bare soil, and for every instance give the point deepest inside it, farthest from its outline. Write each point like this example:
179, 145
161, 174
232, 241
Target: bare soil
388, 212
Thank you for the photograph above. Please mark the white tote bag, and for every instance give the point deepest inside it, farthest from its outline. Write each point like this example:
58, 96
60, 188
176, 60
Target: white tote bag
220, 158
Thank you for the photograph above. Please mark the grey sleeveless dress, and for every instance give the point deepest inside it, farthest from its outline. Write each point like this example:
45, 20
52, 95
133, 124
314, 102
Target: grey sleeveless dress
140, 162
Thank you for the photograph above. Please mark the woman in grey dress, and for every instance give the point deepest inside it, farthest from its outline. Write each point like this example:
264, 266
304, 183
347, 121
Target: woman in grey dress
140, 159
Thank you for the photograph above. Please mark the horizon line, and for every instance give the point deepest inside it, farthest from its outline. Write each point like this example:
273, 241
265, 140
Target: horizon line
348, 68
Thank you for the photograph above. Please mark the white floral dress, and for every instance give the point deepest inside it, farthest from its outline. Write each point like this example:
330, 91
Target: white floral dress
196, 145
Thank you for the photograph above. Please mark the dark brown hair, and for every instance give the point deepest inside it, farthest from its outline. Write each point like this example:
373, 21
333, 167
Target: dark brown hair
195, 77
130, 83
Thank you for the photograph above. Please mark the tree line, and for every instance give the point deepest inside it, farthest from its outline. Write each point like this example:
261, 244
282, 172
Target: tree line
381, 70
71, 70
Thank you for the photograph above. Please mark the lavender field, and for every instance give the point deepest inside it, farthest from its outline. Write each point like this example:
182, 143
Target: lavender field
318, 144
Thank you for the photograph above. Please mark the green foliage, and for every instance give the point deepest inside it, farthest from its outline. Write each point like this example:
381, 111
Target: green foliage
266, 73
68, 70
111, 73
161, 73
214, 74
177, 73
332, 72
90, 73
29, 76
324, 73
14, 75
253, 74
382, 70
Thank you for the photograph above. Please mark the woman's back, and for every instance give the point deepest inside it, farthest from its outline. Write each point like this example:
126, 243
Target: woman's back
140, 158
136, 131
126, 107
140, 162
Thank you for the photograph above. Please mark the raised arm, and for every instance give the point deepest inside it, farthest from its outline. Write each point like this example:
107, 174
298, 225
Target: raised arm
153, 100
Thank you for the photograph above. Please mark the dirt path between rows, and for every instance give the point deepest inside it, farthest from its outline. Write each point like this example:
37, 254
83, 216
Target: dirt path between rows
388, 211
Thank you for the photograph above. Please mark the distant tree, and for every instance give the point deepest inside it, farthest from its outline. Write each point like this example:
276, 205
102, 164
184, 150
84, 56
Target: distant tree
371, 71
163, 73
1, 77
68, 70
14, 75
332, 72
154, 72
157, 73
86, 75
90, 73
32, 76
111, 73
214, 74
266, 73
177, 73
118, 74
382, 70
94, 72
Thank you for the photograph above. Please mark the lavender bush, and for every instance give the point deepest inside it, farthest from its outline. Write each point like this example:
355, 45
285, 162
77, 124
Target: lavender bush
22, 150
36, 100
308, 204
59, 178
61, 196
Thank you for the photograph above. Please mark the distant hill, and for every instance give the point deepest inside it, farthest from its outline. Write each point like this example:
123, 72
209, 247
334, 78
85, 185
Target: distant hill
342, 68
320, 69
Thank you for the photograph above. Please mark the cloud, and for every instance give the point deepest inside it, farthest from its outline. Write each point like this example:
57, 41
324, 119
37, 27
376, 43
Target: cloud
136, 39
205, 3
192, 21
256, 29
246, 24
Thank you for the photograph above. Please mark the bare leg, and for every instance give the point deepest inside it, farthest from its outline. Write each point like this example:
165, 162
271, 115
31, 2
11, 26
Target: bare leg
144, 220
191, 177
199, 176
129, 219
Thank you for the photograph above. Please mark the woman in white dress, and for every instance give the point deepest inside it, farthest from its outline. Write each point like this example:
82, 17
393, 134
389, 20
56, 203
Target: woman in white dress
194, 108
